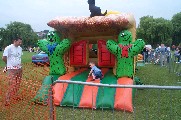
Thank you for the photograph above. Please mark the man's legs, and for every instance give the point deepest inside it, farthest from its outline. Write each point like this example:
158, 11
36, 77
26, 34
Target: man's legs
163, 60
14, 77
11, 83
18, 81
179, 58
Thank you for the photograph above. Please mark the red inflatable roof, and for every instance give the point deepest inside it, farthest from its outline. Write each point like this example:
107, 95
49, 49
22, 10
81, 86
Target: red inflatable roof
93, 26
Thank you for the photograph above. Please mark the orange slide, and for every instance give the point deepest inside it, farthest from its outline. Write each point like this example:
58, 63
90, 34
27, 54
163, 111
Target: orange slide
60, 88
88, 99
123, 98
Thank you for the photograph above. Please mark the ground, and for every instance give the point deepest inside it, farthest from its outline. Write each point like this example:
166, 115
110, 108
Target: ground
148, 104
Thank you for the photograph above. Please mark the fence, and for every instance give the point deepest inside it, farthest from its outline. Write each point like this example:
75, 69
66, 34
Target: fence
168, 61
174, 67
23, 107
150, 102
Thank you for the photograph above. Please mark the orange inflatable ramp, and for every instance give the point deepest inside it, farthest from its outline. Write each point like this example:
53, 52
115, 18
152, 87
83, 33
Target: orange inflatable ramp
60, 88
123, 98
88, 99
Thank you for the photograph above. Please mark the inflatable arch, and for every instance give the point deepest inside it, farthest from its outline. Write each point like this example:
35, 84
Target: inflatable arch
114, 37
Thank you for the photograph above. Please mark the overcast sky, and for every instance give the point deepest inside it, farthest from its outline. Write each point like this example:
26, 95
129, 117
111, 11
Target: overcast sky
38, 13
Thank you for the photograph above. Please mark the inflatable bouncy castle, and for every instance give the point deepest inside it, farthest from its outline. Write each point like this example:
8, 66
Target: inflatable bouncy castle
109, 41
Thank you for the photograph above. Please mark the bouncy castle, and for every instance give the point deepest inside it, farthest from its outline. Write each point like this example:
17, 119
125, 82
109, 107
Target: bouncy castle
109, 41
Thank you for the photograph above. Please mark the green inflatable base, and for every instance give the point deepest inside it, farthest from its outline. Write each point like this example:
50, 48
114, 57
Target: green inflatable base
73, 93
105, 96
42, 94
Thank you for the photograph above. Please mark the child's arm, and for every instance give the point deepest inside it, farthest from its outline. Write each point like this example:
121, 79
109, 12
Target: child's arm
5, 70
90, 73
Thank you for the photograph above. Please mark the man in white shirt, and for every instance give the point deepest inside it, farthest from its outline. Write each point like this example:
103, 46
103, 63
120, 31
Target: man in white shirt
12, 57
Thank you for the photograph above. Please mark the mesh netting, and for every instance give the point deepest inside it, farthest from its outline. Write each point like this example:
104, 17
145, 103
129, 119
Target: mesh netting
22, 106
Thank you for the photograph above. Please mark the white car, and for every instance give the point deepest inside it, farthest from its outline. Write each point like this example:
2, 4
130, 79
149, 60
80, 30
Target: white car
148, 46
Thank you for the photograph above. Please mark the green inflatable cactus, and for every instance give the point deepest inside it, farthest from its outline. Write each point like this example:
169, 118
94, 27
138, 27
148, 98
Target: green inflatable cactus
55, 48
125, 50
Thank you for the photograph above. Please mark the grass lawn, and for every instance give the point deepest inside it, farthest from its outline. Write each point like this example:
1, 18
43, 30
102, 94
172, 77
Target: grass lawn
26, 58
152, 104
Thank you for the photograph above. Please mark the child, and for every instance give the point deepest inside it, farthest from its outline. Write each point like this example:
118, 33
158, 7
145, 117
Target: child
96, 72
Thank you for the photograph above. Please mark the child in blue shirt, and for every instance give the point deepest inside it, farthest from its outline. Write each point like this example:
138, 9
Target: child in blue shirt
96, 72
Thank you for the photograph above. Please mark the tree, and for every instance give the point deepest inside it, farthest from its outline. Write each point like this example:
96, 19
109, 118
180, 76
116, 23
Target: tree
145, 28
155, 30
176, 21
3, 38
18, 29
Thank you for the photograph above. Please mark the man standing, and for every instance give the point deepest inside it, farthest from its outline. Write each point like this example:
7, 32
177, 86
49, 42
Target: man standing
163, 53
12, 57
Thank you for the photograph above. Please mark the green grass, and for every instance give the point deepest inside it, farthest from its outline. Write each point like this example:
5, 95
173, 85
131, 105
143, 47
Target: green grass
26, 57
2, 64
152, 104
157, 75
155, 103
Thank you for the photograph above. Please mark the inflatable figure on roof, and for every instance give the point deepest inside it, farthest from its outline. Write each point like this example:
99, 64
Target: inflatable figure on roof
55, 48
95, 11
125, 50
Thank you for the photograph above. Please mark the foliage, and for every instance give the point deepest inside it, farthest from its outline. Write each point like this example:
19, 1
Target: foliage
18, 29
176, 21
155, 30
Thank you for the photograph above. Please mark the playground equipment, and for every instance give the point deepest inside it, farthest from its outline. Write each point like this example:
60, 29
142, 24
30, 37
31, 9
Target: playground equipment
114, 36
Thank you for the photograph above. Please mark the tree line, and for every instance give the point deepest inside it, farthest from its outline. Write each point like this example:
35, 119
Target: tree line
152, 30
18, 29
159, 30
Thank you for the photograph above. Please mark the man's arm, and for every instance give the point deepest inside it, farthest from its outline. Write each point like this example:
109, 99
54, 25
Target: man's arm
4, 58
5, 55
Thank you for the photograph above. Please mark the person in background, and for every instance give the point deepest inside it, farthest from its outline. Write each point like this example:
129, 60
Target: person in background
12, 57
157, 54
157, 48
145, 54
173, 47
149, 54
163, 54
34, 49
179, 57
177, 54
96, 72
168, 54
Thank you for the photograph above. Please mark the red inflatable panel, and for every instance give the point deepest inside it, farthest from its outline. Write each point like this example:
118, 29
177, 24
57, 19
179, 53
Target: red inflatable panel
123, 98
60, 88
105, 57
78, 52
88, 99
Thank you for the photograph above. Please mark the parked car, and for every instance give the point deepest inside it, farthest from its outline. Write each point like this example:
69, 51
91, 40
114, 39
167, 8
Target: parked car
40, 58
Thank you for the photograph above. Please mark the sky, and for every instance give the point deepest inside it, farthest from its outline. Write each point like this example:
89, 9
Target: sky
38, 13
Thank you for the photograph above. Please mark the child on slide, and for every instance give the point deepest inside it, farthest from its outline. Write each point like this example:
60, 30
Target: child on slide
96, 72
